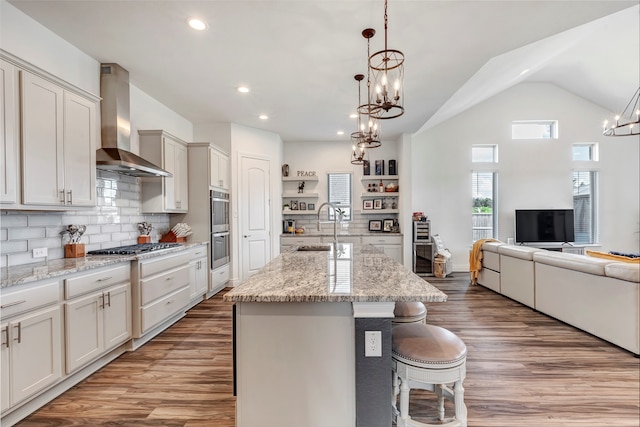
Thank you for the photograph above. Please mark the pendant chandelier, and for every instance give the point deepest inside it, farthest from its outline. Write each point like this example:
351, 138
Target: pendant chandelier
628, 122
369, 127
358, 153
387, 67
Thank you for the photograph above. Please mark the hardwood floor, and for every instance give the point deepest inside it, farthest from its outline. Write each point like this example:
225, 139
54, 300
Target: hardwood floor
523, 369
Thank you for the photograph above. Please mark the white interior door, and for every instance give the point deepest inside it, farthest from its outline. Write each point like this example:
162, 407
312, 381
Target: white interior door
254, 214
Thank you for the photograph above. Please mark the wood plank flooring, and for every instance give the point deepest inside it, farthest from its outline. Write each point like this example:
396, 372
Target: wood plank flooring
523, 369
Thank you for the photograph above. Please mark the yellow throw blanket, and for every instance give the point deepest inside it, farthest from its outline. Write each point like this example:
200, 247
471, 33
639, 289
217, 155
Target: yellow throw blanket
475, 259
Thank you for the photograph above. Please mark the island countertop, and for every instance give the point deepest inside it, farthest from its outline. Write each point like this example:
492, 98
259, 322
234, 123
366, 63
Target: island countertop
348, 273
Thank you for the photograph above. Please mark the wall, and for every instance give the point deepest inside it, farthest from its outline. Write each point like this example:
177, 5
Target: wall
531, 174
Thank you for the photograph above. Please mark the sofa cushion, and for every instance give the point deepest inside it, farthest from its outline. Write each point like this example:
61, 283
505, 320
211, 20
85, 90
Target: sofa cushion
491, 246
575, 262
522, 252
623, 271
613, 257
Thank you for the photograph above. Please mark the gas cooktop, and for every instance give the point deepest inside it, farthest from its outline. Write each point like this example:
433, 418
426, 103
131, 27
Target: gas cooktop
133, 249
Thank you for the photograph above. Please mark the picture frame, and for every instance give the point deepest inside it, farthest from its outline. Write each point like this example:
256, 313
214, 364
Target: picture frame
375, 225
311, 206
387, 225
294, 205
302, 206
367, 205
379, 167
377, 204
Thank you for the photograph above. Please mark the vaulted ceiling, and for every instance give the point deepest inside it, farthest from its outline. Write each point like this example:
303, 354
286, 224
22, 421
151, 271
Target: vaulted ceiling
299, 56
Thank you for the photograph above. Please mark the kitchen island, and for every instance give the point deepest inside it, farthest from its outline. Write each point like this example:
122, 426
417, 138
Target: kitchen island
299, 337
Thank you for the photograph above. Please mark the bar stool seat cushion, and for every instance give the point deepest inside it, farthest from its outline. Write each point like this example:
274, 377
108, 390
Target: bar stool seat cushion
428, 346
409, 311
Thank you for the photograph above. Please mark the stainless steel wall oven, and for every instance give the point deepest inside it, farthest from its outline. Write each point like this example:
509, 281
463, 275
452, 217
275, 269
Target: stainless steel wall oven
220, 237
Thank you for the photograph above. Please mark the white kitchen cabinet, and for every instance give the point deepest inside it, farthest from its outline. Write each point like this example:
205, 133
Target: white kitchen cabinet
100, 320
59, 141
218, 169
165, 194
5, 371
198, 273
160, 292
31, 349
9, 133
390, 245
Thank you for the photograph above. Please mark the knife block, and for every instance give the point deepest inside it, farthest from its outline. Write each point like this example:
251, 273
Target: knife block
74, 250
170, 237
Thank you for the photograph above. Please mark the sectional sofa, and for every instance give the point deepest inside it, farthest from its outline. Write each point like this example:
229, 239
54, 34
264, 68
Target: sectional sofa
599, 296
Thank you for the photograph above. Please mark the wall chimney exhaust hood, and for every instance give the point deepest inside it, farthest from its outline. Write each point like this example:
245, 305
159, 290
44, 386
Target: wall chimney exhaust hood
114, 155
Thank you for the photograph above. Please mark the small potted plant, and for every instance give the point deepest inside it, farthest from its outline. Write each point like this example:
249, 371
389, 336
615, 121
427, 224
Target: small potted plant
286, 207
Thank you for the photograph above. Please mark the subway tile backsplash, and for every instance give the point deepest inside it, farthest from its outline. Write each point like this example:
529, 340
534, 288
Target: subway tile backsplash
113, 222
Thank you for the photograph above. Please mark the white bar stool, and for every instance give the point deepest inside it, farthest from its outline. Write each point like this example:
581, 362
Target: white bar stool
409, 312
431, 358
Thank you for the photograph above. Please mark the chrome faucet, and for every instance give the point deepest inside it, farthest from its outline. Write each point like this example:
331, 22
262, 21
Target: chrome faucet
335, 219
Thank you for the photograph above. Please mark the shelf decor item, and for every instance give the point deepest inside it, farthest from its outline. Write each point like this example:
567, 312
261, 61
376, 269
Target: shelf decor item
387, 225
379, 167
367, 205
375, 225
302, 206
377, 203
311, 206
74, 249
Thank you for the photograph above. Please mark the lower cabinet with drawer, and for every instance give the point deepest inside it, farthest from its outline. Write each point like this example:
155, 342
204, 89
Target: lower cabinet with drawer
198, 273
31, 341
390, 245
97, 313
160, 293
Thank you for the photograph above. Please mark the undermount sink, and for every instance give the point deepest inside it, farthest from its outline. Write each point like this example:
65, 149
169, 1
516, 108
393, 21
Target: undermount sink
317, 248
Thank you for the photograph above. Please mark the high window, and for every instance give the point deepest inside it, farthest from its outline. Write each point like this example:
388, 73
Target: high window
585, 196
484, 154
534, 129
484, 208
340, 194
584, 152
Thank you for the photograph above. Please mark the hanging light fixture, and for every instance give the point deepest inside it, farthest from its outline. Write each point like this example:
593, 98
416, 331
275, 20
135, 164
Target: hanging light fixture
627, 122
358, 153
369, 127
387, 67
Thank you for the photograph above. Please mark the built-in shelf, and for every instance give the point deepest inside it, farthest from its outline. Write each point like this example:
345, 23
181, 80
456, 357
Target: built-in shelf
378, 177
300, 178
379, 211
299, 195
290, 212
377, 194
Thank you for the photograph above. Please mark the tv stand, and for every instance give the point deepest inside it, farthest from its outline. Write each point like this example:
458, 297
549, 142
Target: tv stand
567, 247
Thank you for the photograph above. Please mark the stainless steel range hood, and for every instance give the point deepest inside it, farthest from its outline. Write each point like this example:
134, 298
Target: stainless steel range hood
114, 155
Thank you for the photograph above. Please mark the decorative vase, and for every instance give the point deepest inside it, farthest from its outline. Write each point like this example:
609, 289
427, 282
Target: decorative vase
285, 170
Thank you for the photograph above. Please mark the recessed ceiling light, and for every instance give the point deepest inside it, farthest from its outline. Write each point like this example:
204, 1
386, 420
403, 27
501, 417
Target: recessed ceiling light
353, 116
243, 89
197, 24
340, 132
263, 117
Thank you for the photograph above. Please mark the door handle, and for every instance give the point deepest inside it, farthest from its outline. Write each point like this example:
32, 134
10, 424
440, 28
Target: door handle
70, 193
5, 339
247, 235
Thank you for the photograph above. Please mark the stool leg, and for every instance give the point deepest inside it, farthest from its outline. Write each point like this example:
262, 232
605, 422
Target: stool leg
395, 390
458, 399
404, 402
438, 389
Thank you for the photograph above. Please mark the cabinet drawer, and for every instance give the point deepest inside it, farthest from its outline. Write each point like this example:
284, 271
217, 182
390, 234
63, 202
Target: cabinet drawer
220, 276
296, 241
491, 260
342, 239
199, 252
160, 285
158, 265
163, 308
23, 299
382, 240
100, 279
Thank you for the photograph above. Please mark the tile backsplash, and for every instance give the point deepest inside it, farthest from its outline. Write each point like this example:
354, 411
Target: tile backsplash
113, 222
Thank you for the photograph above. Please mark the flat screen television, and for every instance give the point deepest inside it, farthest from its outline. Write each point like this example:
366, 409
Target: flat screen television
544, 225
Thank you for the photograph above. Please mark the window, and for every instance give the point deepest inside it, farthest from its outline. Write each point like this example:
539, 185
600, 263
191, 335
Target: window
484, 190
534, 129
585, 152
340, 194
484, 154
585, 206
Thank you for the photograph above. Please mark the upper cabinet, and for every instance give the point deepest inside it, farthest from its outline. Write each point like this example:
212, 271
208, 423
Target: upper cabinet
9, 133
56, 139
165, 194
218, 169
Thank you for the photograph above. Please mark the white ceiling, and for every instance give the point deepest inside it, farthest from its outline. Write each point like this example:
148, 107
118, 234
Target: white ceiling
299, 56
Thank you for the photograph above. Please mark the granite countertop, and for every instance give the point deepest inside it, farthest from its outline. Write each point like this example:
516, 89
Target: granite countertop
340, 234
353, 273
26, 273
